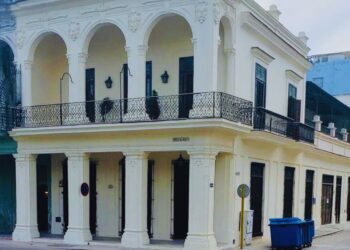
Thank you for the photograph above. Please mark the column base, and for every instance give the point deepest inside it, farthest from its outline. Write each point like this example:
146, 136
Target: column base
201, 242
135, 239
78, 236
25, 233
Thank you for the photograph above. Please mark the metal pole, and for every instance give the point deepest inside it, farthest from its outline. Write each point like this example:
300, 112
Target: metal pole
61, 102
61, 79
242, 218
120, 94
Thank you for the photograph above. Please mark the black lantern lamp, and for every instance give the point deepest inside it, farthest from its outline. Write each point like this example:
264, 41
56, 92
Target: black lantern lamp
109, 82
165, 77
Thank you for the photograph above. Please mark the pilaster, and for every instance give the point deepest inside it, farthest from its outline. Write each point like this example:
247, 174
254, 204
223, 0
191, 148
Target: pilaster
78, 205
201, 201
26, 198
135, 232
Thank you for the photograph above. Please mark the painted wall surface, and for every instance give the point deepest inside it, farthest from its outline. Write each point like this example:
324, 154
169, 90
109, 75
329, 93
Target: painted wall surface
165, 50
50, 62
107, 56
277, 81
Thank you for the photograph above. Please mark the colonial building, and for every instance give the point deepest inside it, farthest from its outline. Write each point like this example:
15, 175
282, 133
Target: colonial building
139, 120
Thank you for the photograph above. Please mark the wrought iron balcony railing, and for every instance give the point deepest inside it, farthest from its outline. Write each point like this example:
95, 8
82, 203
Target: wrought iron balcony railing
147, 109
266, 120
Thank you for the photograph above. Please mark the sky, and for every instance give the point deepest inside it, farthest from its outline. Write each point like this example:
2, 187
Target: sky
326, 22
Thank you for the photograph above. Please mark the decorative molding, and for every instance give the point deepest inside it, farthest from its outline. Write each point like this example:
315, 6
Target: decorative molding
201, 11
25, 157
248, 20
294, 76
27, 64
46, 19
74, 30
134, 21
19, 38
230, 51
81, 57
217, 12
262, 55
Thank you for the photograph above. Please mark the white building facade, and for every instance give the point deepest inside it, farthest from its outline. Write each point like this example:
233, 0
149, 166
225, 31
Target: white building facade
230, 84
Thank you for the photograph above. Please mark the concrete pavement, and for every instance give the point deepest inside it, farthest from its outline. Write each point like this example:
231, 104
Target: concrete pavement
338, 241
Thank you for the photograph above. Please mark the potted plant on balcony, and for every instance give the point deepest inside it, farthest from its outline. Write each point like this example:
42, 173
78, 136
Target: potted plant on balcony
106, 107
152, 106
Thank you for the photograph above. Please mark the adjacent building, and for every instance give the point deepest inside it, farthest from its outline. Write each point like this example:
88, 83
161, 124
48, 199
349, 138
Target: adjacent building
331, 73
139, 120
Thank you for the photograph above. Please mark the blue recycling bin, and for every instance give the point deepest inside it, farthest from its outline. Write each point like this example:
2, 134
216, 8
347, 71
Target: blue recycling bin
287, 233
308, 232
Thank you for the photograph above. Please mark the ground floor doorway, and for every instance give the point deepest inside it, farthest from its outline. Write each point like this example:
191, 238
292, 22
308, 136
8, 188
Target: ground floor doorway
327, 199
256, 196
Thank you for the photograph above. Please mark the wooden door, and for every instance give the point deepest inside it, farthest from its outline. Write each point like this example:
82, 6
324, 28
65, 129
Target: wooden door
256, 196
181, 197
90, 94
309, 190
288, 196
327, 199
338, 199
185, 86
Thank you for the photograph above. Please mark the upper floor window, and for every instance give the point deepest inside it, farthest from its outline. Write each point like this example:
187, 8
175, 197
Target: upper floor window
260, 86
294, 105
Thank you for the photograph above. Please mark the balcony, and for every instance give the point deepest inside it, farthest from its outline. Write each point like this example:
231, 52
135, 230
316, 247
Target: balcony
147, 109
266, 120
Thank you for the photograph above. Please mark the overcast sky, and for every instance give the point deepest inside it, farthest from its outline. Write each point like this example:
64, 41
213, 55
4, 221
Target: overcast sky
326, 22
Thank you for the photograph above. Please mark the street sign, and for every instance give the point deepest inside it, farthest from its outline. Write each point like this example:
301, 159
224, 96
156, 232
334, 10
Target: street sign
243, 191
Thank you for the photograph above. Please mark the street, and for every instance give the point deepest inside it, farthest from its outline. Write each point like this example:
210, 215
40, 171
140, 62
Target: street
339, 241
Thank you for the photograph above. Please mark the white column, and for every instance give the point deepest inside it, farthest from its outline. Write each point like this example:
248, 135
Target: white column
201, 201
344, 198
230, 71
206, 45
76, 86
77, 66
26, 202
318, 194
79, 207
136, 82
224, 199
27, 83
135, 233
137, 66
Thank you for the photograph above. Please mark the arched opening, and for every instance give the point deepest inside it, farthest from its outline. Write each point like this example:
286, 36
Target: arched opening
104, 69
225, 57
49, 64
170, 64
8, 76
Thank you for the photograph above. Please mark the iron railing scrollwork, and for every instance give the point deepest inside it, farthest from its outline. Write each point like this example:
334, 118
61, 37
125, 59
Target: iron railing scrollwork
144, 109
275, 123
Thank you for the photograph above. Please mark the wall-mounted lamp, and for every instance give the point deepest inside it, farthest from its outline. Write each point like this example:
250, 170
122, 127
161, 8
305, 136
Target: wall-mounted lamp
109, 82
165, 77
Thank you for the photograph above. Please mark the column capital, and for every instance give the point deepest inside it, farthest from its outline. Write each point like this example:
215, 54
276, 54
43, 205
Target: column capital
203, 153
230, 51
135, 154
140, 49
27, 64
77, 155
80, 56
25, 157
